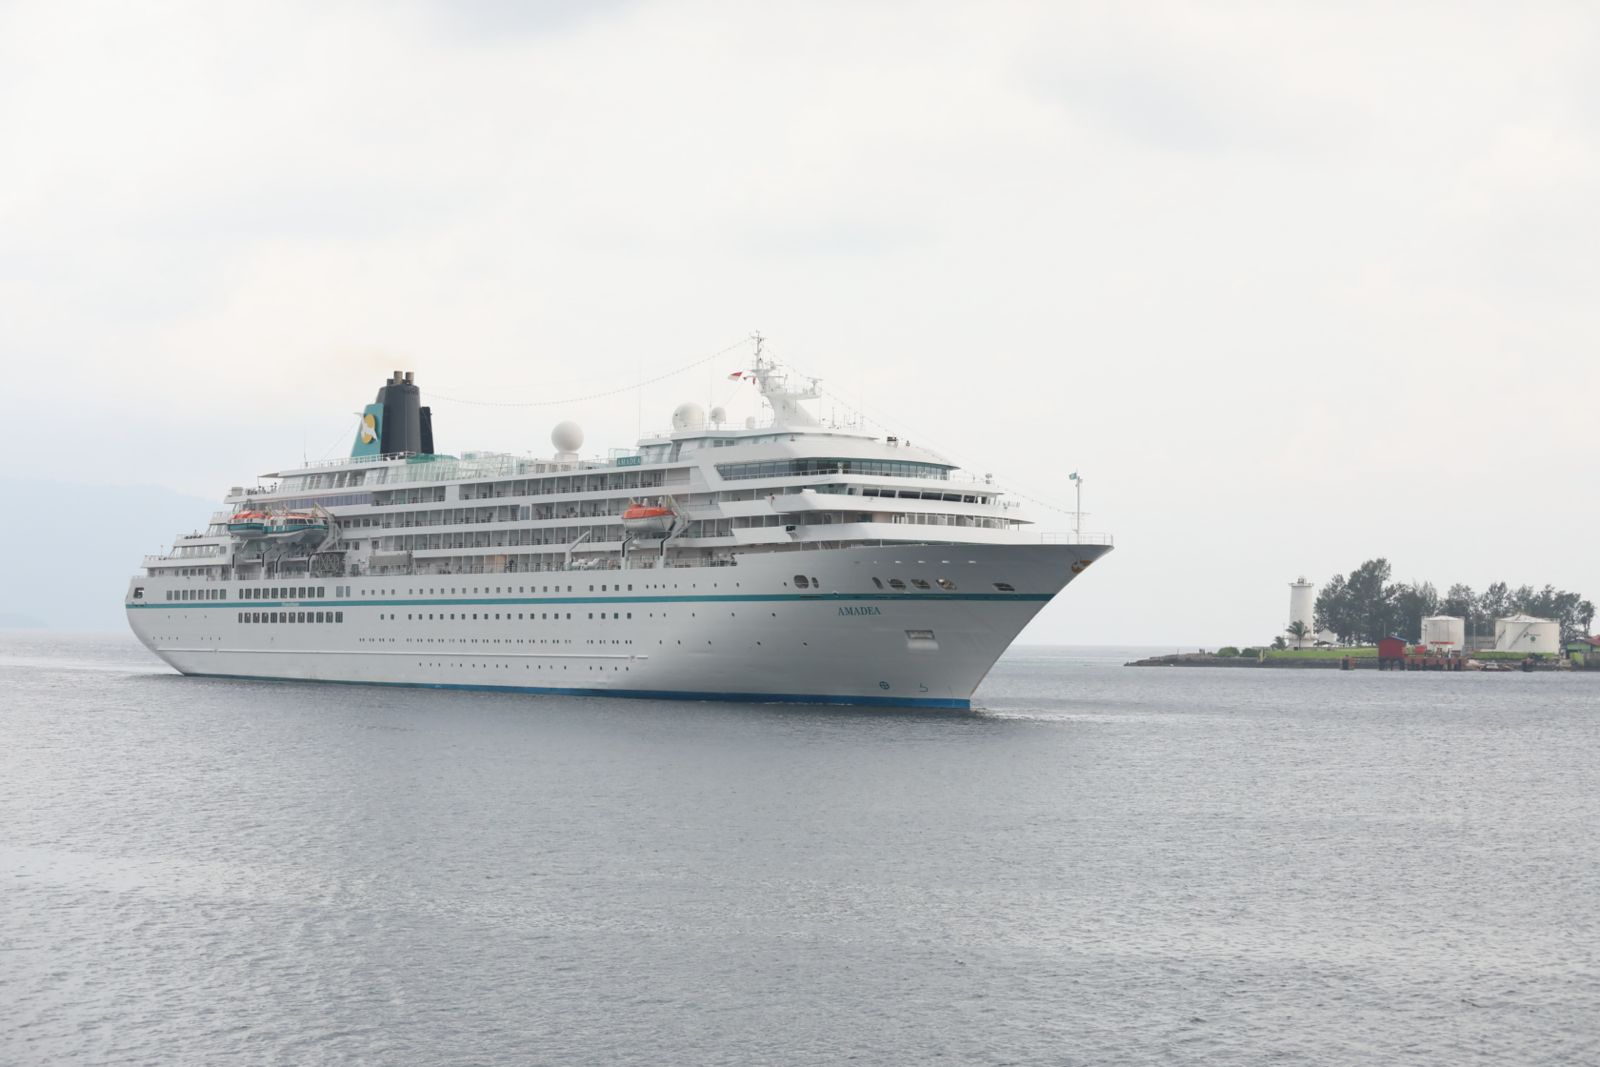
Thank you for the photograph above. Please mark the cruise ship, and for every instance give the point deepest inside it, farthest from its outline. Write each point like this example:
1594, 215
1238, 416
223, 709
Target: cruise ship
781, 560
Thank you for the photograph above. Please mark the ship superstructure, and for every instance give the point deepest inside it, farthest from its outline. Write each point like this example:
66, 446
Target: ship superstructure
782, 561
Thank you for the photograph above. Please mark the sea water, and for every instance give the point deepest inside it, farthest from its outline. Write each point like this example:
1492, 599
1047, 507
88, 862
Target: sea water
1103, 865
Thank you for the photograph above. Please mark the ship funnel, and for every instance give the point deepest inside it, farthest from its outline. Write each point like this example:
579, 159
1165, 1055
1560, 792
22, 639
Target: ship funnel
395, 423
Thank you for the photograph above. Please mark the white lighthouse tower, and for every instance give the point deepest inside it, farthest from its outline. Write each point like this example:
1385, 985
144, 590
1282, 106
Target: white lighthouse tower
1302, 609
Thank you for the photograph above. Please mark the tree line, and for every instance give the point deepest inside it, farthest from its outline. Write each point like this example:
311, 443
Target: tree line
1366, 606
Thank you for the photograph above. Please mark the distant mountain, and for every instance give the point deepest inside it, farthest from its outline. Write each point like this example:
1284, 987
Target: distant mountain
69, 549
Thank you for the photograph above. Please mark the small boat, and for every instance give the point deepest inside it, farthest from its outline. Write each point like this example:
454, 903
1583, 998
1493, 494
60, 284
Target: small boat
648, 520
248, 524
296, 526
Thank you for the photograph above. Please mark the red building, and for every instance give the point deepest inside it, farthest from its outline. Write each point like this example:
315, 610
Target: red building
1391, 653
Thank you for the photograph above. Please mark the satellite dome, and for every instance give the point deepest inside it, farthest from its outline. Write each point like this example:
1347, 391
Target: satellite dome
567, 436
689, 416
718, 416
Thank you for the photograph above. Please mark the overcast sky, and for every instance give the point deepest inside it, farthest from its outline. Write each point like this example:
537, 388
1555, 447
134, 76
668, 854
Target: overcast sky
1291, 286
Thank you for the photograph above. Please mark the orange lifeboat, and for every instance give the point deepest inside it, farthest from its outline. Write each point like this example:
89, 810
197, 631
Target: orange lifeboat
648, 520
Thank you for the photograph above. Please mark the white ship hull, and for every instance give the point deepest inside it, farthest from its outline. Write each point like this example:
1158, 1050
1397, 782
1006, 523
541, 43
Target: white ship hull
743, 632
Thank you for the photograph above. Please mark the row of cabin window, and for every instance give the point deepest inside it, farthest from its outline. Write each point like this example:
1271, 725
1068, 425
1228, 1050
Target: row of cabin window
283, 592
197, 594
310, 592
542, 616
807, 467
800, 582
430, 591
339, 501
918, 583
291, 616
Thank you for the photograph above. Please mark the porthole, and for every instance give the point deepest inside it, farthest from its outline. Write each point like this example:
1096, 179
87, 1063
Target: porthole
921, 583
801, 582
1004, 587
895, 583
945, 583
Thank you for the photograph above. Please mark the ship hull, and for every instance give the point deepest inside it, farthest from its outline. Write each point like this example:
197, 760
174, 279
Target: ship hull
750, 632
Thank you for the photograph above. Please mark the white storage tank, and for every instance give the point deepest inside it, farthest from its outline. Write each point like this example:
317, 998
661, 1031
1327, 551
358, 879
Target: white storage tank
1524, 633
1302, 608
1444, 633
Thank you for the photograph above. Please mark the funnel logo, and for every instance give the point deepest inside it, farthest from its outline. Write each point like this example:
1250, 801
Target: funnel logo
369, 432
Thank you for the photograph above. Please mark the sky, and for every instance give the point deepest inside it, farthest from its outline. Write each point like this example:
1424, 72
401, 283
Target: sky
1289, 285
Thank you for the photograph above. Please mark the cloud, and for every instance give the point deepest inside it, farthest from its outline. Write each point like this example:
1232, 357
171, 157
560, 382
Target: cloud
500, 21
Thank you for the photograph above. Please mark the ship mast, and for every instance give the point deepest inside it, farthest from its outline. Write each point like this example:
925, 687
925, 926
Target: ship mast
776, 391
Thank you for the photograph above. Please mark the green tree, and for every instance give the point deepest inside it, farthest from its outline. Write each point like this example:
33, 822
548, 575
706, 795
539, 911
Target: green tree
1411, 603
1570, 610
1371, 601
1365, 607
1299, 631
1459, 601
1332, 610
1495, 603
1582, 617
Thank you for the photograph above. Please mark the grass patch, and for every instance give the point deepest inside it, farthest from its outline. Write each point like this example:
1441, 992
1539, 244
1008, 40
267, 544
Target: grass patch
1322, 653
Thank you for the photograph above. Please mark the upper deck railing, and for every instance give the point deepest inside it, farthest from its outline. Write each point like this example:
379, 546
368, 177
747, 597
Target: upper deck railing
627, 456
1071, 538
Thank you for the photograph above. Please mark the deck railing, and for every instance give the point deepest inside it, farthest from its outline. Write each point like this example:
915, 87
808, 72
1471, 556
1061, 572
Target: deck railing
1071, 538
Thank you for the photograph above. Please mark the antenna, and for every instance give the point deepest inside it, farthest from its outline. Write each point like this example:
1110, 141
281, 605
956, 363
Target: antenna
1077, 514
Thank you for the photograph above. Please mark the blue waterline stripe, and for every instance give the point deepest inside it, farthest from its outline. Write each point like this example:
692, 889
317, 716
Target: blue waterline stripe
751, 598
948, 703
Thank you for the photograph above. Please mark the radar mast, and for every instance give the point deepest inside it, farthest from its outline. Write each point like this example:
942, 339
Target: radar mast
777, 392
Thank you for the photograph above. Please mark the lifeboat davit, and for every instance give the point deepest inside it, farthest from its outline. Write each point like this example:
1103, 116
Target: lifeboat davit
248, 524
648, 520
296, 526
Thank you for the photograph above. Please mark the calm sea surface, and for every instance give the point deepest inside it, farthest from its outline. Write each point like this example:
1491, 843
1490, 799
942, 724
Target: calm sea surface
1105, 866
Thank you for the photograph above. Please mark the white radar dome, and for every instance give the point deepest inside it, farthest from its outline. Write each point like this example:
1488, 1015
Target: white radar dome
567, 437
690, 416
718, 416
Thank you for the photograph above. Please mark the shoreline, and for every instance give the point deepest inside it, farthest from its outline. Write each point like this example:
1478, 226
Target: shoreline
1365, 659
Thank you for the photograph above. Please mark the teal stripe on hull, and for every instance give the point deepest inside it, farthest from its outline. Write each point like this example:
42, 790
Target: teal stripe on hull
945, 703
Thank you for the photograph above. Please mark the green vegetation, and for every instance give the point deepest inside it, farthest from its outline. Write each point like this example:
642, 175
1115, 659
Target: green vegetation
1512, 657
1366, 606
1321, 653
1227, 651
